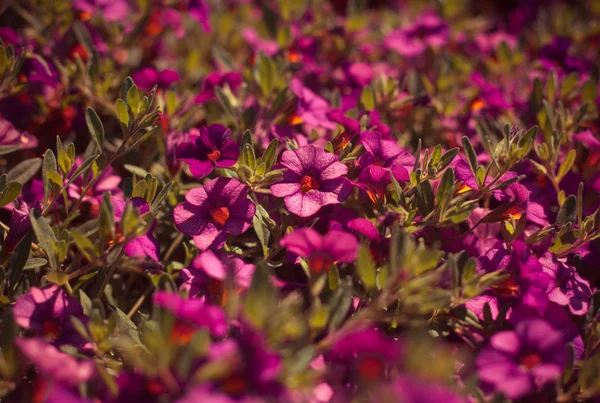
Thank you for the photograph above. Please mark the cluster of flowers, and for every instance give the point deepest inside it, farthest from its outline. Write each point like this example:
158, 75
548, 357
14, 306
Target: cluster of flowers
305, 201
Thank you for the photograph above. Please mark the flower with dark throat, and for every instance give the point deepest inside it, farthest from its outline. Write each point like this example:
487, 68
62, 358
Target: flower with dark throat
212, 211
212, 148
314, 178
321, 251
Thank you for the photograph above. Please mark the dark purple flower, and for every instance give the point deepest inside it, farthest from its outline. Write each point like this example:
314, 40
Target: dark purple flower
54, 365
321, 251
212, 211
148, 77
9, 136
46, 313
212, 148
566, 288
556, 55
383, 153
20, 224
144, 245
517, 362
314, 178
427, 31
191, 315
214, 80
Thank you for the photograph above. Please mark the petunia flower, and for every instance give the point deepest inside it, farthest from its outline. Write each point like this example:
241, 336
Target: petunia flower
144, 245
199, 11
111, 10
148, 77
55, 365
46, 312
212, 148
321, 251
9, 136
427, 31
191, 315
375, 179
214, 80
383, 153
408, 389
314, 178
567, 288
311, 108
212, 211
517, 362
107, 182
207, 273
351, 128
20, 224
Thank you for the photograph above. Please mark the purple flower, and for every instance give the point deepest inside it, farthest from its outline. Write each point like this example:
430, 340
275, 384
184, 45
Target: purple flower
214, 80
9, 136
311, 108
427, 31
351, 128
408, 389
314, 178
212, 148
107, 182
20, 224
144, 245
199, 11
148, 77
383, 153
207, 273
321, 251
517, 362
190, 315
54, 365
111, 10
375, 179
46, 313
527, 282
567, 288
363, 356
210, 212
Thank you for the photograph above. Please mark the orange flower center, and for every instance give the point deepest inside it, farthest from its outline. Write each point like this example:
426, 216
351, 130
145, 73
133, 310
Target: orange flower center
506, 288
319, 262
531, 360
214, 156
181, 333
308, 183
370, 368
235, 385
50, 330
85, 16
294, 119
477, 105
220, 215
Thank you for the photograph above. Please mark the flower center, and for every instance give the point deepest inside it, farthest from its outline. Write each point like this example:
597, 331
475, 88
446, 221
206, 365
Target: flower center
531, 360
370, 368
51, 330
220, 215
155, 387
181, 333
235, 385
308, 183
214, 156
506, 288
319, 262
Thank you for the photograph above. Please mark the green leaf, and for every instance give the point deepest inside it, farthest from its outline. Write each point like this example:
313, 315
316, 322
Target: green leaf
526, 142
122, 112
95, 127
127, 84
18, 259
85, 246
260, 299
8, 149
10, 193
366, 267
261, 228
425, 197
566, 165
471, 156
106, 221
133, 99
248, 158
64, 162
140, 189
568, 211
162, 195
270, 155
367, 98
83, 168
57, 277
45, 237
265, 74
445, 191
49, 165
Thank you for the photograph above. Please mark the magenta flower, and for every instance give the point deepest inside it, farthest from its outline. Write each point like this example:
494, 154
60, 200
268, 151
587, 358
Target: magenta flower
214, 80
408, 389
46, 313
383, 153
111, 10
9, 136
517, 362
374, 180
212, 211
191, 315
54, 365
321, 251
427, 31
107, 182
20, 224
311, 108
144, 245
148, 77
212, 148
198, 10
567, 288
314, 178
